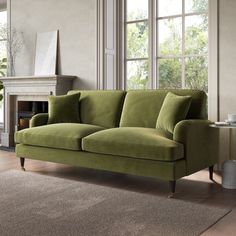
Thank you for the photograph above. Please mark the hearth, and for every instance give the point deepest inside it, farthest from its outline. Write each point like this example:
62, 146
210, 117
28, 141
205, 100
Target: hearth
27, 109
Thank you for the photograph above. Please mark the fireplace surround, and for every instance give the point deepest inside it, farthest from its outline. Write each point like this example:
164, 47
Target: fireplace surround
24, 96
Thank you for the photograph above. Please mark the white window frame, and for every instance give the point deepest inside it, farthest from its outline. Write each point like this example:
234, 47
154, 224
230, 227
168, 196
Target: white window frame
182, 57
213, 61
153, 57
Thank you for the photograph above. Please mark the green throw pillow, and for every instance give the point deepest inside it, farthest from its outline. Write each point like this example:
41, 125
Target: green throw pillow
63, 109
173, 110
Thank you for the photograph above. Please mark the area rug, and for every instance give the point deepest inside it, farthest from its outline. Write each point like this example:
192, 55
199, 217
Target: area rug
34, 204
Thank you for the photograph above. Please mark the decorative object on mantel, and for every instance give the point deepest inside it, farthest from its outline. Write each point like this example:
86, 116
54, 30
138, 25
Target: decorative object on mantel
46, 53
25, 89
15, 44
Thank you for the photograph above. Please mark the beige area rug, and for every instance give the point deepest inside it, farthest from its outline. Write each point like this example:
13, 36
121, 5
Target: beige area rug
33, 204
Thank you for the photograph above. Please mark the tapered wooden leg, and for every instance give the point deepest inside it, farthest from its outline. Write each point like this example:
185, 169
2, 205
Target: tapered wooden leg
211, 168
172, 188
22, 163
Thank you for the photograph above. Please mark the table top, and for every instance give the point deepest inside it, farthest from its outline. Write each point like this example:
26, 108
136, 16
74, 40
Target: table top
223, 126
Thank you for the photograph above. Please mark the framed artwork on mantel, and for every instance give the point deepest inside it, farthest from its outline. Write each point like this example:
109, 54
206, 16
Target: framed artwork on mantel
46, 53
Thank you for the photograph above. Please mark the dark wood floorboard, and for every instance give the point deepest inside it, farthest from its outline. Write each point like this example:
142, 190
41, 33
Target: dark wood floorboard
194, 188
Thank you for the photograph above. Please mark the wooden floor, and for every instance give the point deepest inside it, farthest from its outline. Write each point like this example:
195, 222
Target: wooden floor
194, 188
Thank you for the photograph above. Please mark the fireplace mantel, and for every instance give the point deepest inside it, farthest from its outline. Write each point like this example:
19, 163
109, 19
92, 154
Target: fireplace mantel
28, 88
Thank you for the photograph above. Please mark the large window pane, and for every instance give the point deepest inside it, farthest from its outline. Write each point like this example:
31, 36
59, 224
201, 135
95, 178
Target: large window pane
196, 34
170, 73
137, 10
3, 17
3, 25
3, 49
170, 36
137, 40
169, 7
196, 6
196, 73
137, 74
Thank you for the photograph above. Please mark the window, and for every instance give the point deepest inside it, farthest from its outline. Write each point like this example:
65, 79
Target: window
166, 44
137, 44
3, 54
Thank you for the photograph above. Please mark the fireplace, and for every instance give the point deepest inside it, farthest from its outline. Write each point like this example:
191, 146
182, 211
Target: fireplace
27, 95
27, 109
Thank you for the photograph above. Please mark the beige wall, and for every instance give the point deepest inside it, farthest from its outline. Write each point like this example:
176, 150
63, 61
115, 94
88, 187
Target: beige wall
76, 21
227, 57
3, 6
227, 69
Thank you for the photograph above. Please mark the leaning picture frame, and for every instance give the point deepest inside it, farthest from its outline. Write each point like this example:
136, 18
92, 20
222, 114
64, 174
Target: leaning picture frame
46, 53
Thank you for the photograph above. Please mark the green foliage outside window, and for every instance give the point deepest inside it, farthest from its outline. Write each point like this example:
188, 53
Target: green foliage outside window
137, 73
170, 69
137, 47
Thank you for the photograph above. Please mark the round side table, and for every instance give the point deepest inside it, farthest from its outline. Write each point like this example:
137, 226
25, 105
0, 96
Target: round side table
229, 166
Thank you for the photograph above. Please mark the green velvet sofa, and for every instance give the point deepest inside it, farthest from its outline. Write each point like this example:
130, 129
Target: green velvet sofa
117, 133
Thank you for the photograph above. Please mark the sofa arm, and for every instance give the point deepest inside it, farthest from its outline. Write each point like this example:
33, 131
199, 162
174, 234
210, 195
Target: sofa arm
38, 120
200, 143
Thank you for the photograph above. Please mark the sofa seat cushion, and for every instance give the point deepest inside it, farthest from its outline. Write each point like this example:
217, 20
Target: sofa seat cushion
62, 135
145, 143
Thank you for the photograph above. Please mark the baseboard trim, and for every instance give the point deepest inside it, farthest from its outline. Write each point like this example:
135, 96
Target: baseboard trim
7, 149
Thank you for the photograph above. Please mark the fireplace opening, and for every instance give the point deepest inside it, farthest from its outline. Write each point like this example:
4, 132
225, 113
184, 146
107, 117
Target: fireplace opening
27, 109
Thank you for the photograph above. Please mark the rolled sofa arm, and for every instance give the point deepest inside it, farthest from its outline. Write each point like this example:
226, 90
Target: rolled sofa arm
200, 143
39, 120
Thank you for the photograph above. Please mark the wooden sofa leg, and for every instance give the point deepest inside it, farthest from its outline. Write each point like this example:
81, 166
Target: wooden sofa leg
172, 188
22, 163
211, 168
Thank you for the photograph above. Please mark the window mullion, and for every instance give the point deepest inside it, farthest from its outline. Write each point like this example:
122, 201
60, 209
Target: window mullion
125, 44
152, 43
180, 15
137, 21
137, 59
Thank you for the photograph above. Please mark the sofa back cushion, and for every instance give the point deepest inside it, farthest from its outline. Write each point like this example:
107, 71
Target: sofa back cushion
102, 108
141, 108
